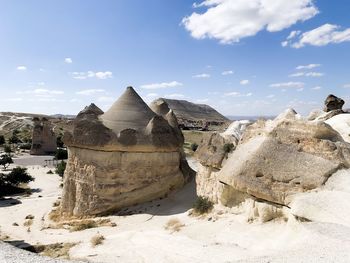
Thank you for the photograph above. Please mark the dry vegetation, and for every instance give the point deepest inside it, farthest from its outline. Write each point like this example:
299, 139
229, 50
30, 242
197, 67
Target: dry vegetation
174, 225
97, 240
58, 250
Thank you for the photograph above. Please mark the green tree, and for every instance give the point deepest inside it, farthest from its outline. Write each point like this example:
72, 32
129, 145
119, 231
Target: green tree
18, 176
61, 154
60, 168
2, 140
5, 161
7, 149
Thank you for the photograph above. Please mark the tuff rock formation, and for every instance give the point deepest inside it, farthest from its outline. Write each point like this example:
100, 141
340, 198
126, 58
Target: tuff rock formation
332, 107
275, 160
125, 156
333, 103
43, 139
190, 114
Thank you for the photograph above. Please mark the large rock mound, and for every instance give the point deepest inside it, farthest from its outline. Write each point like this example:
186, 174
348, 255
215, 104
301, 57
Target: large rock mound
123, 157
275, 160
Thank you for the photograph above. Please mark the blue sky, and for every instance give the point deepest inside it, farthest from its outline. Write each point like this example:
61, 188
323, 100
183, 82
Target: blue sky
243, 57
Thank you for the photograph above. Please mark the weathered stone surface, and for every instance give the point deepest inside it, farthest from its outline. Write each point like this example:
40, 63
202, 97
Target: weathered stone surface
43, 139
120, 158
189, 114
276, 159
333, 103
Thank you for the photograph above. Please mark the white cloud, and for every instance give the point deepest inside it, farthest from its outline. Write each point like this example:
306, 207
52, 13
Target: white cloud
291, 84
89, 92
238, 94
175, 96
310, 66
347, 86
68, 60
300, 89
104, 75
162, 85
14, 99
317, 88
201, 76
298, 74
244, 82
270, 96
227, 72
231, 20
22, 68
307, 74
92, 74
152, 95
321, 36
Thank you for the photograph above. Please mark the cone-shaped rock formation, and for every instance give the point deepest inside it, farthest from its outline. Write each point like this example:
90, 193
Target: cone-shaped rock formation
120, 158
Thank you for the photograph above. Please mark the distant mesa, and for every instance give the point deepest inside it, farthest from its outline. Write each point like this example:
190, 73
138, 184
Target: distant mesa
125, 156
43, 138
190, 115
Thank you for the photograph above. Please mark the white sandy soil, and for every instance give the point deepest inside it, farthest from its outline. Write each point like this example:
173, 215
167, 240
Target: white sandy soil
218, 237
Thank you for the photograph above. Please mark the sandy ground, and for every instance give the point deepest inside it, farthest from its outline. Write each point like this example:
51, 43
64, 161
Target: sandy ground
218, 237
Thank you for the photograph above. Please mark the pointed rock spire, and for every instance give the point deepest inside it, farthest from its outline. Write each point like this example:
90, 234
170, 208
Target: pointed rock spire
128, 112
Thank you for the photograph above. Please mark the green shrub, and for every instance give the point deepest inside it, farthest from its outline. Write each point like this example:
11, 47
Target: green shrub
25, 146
14, 139
61, 154
228, 147
7, 149
60, 168
194, 147
17, 176
5, 161
49, 172
59, 142
202, 205
2, 140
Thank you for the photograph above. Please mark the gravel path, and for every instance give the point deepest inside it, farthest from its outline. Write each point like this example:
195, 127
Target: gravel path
11, 254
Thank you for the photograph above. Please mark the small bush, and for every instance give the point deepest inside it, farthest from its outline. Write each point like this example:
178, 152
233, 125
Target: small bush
59, 142
18, 176
194, 147
174, 225
61, 154
60, 168
25, 146
49, 172
29, 217
97, 240
28, 222
202, 205
7, 149
5, 161
2, 140
228, 147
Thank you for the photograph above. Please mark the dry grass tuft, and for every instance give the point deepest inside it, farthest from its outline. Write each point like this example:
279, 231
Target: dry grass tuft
56, 203
58, 250
79, 225
174, 225
28, 222
97, 240
55, 215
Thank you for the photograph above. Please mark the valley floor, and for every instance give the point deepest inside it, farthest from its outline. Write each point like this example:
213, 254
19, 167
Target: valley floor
220, 236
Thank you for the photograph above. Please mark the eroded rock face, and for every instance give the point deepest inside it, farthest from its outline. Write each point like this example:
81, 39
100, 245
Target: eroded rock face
43, 139
120, 158
276, 159
333, 103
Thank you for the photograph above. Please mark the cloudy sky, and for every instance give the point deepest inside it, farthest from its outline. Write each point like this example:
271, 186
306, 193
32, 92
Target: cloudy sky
243, 57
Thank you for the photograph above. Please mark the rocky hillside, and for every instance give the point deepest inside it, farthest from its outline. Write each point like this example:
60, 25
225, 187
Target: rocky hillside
10, 121
191, 114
